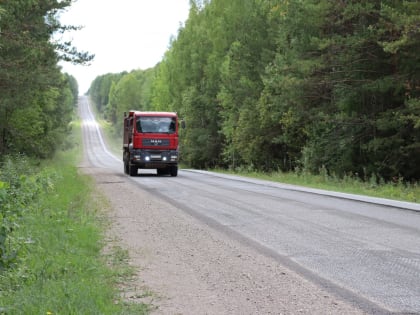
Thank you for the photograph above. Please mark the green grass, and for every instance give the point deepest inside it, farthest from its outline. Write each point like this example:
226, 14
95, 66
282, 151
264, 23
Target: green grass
349, 184
61, 266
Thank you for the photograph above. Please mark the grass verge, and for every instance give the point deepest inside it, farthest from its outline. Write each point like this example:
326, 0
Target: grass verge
349, 184
59, 240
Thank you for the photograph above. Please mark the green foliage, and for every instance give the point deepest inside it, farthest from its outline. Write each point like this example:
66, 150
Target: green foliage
19, 189
312, 84
249, 50
161, 90
100, 88
30, 80
73, 88
132, 91
51, 244
346, 93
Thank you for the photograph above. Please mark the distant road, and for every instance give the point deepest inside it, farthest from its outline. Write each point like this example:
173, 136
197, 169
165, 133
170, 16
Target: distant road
366, 251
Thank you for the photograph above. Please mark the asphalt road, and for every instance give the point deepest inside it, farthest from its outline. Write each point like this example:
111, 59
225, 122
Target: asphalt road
366, 250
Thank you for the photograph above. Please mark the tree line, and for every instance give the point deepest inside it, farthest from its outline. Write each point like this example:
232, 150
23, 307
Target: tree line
37, 100
288, 85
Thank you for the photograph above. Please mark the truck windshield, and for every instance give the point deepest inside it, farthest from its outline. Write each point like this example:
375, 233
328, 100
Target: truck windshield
156, 124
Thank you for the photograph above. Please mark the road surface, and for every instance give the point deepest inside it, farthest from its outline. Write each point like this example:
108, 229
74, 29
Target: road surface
363, 251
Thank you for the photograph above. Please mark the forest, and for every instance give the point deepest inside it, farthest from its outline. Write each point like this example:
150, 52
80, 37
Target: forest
281, 85
37, 100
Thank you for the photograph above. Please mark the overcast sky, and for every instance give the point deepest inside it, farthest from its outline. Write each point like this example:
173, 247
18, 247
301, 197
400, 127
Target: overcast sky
122, 34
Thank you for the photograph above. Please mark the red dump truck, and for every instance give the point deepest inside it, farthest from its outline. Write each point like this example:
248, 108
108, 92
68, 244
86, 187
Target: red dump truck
151, 142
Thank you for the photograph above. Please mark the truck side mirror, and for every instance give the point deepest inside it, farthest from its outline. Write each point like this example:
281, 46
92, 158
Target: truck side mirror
183, 124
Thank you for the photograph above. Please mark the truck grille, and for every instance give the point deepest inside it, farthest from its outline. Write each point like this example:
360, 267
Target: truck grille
156, 142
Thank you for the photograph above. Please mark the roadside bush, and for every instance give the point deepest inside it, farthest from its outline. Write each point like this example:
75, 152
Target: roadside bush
20, 186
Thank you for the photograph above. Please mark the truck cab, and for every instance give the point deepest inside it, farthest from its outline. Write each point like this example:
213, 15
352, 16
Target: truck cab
150, 141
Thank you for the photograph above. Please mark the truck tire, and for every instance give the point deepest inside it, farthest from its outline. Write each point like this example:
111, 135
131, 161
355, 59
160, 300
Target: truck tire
174, 171
132, 169
125, 167
162, 171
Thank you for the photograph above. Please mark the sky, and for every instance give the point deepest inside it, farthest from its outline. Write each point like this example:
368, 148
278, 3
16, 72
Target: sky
123, 35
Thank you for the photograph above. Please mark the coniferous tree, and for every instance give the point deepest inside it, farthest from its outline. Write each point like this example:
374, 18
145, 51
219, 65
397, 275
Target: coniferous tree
34, 94
310, 84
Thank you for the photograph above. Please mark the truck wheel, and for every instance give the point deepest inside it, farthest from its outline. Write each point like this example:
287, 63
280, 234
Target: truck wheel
132, 170
162, 171
126, 167
174, 171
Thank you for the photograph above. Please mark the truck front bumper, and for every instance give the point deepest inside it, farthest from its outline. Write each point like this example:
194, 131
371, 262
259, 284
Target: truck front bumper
153, 158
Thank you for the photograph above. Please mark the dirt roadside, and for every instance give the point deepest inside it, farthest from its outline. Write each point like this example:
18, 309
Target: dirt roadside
190, 268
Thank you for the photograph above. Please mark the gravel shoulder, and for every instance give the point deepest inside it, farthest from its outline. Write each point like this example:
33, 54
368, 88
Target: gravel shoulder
190, 268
